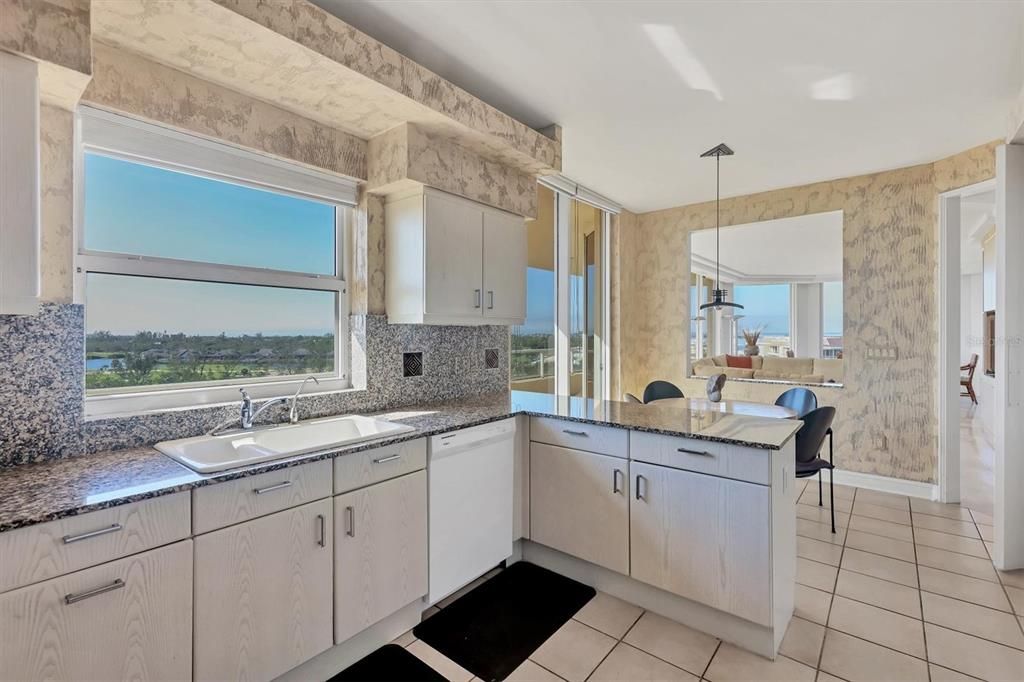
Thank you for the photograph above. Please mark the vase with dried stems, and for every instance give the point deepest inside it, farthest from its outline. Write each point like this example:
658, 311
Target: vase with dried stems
751, 336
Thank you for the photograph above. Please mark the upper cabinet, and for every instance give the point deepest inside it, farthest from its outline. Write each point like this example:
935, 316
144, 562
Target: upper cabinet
19, 185
454, 261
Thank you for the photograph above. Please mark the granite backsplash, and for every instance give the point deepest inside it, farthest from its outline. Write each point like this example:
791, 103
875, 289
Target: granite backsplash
42, 382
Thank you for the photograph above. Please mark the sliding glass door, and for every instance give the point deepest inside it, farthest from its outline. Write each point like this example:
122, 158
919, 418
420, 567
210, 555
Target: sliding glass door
562, 345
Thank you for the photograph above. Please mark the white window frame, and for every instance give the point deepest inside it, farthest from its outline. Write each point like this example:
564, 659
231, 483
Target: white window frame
121, 137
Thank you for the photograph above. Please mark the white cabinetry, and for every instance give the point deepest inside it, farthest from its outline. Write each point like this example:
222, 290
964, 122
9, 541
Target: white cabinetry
453, 261
263, 594
381, 551
702, 537
579, 504
126, 619
19, 185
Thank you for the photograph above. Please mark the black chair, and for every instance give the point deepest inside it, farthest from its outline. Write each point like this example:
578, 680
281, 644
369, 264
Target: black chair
800, 400
630, 398
809, 439
659, 390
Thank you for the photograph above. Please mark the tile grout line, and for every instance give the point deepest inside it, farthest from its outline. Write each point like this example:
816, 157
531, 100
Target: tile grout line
999, 577
920, 599
832, 600
617, 643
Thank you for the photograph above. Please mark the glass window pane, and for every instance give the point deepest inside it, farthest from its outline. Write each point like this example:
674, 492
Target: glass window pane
832, 319
533, 342
585, 306
143, 330
148, 211
766, 308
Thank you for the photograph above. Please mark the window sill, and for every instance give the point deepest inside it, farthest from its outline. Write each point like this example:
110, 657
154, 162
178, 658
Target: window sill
121, 405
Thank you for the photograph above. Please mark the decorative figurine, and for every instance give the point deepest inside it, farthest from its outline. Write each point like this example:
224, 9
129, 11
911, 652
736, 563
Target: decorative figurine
714, 387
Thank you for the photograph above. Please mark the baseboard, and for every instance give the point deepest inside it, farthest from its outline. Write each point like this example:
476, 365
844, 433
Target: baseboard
887, 484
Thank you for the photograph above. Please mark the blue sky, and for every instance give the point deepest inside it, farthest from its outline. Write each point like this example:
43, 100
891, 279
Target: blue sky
767, 306
143, 210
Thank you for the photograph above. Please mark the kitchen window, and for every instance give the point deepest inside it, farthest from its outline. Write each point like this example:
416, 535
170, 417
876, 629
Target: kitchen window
204, 269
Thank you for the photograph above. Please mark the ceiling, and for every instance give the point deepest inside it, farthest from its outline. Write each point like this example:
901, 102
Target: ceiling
764, 252
802, 91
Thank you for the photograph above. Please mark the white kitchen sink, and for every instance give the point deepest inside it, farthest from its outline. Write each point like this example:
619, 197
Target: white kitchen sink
207, 454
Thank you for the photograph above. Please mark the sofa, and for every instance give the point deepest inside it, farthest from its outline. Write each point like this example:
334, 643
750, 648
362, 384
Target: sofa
801, 370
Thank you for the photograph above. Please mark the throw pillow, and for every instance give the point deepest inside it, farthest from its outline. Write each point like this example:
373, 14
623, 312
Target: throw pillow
741, 361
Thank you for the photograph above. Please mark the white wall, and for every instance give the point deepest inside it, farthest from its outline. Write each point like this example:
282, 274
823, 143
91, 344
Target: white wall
971, 318
805, 313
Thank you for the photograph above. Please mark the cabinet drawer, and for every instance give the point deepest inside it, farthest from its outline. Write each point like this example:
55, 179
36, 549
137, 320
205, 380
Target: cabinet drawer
372, 466
129, 619
717, 459
604, 440
51, 549
224, 504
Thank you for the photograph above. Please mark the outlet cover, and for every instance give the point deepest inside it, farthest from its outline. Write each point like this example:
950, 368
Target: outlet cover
412, 364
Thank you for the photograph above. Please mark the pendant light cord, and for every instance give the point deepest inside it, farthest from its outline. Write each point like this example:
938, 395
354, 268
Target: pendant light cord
718, 222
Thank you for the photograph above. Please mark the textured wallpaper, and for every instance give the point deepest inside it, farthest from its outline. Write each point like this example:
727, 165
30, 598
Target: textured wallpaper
890, 262
409, 154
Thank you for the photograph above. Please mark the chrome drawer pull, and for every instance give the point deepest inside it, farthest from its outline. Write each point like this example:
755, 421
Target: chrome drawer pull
391, 458
72, 598
615, 481
490, 304
639, 495
271, 488
702, 453
322, 520
113, 528
478, 298
575, 433
351, 512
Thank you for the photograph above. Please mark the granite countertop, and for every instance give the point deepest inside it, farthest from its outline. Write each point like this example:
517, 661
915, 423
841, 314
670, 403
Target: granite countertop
36, 493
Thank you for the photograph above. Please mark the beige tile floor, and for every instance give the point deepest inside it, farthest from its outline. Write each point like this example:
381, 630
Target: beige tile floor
904, 591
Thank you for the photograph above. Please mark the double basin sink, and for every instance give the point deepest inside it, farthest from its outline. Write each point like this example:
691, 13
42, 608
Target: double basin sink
210, 454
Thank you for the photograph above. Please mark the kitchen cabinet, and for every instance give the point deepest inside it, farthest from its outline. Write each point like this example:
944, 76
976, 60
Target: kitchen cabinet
579, 504
126, 619
19, 185
263, 594
703, 537
453, 261
380, 551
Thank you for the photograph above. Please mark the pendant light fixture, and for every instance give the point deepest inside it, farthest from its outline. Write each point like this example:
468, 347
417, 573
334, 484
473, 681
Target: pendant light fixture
718, 296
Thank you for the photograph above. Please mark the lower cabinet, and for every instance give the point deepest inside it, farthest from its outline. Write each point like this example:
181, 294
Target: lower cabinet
380, 551
126, 619
702, 537
579, 504
263, 594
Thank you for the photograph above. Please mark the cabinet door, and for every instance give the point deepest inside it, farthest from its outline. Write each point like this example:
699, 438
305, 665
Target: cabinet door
579, 505
702, 537
263, 594
380, 553
453, 267
127, 619
504, 266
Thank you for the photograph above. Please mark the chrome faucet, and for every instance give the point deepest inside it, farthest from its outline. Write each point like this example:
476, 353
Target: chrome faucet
248, 415
293, 413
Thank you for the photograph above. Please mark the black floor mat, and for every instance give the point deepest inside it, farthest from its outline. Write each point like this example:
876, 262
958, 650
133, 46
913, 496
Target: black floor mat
390, 663
493, 629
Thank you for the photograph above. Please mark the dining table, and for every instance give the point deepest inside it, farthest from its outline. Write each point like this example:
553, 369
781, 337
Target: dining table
744, 407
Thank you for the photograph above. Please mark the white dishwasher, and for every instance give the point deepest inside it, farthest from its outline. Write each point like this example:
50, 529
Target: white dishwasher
470, 504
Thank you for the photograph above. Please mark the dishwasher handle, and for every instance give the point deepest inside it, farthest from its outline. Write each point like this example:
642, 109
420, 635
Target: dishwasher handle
474, 437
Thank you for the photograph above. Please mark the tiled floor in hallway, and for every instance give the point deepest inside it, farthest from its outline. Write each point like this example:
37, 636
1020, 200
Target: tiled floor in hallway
905, 590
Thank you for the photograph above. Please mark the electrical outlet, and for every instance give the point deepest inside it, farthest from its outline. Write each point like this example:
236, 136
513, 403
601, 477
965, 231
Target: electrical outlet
879, 442
882, 353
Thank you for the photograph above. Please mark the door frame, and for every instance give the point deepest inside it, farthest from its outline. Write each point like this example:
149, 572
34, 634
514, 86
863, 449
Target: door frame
948, 385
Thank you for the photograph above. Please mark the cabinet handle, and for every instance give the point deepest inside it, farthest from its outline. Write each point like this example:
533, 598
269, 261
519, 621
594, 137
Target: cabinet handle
639, 495
271, 488
615, 481
351, 513
490, 300
322, 521
476, 294
113, 528
702, 453
73, 598
576, 433
390, 458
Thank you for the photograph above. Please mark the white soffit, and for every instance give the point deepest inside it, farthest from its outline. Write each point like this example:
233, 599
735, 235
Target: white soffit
802, 91
807, 248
